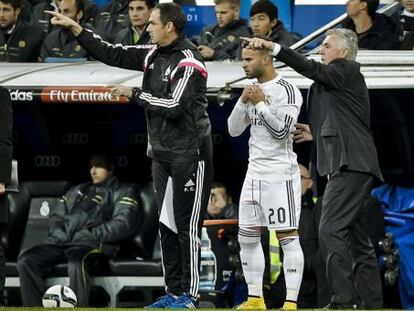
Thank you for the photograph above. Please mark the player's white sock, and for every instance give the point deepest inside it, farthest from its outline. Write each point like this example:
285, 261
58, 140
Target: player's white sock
293, 262
252, 258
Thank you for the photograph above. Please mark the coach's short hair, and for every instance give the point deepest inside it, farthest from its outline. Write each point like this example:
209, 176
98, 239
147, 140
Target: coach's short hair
172, 12
347, 39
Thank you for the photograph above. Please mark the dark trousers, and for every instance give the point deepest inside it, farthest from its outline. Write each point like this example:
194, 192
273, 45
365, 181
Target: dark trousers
34, 263
191, 184
4, 215
351, 265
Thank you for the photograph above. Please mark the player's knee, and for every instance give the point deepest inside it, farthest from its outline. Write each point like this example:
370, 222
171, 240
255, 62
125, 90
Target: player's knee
249, 235
287, 234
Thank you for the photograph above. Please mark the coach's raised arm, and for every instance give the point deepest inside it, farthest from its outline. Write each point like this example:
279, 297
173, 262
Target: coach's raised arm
65, 22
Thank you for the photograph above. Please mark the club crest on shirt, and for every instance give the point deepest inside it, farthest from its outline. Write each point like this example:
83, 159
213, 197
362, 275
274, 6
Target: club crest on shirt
166, 74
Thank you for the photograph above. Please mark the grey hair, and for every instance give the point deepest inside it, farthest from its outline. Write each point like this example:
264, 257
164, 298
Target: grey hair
347, 39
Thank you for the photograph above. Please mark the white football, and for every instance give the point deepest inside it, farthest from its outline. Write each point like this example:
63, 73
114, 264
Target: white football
59, 296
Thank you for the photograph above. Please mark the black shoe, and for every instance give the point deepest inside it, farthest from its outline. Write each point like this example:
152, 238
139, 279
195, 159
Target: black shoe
338, 306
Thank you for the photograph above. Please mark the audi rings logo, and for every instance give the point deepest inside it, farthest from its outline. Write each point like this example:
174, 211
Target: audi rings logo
217, 139
138, 138
121, 161
47, 161
75, 138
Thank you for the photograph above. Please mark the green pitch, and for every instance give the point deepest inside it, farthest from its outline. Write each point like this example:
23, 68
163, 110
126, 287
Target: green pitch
127, 309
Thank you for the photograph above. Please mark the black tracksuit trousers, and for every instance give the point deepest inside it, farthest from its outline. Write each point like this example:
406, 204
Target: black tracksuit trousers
187, 199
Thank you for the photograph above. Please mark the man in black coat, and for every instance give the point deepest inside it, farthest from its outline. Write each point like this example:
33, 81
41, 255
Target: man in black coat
6, 152
88, 221
339, 120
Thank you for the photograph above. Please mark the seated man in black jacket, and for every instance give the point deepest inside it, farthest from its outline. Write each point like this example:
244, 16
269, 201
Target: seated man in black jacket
61, 42
89, 219
19, 42
221, 41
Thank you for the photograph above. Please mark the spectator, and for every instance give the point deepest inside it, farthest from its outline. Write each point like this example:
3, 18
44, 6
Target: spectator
221, 41
88, 220
375, 31
264, 22
42, 20
61, 42
407, 25
112, 19
19, 42
6, 152
220, 205
139, 12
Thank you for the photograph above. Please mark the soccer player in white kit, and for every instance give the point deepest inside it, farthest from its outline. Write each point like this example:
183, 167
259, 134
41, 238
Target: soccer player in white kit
271, 191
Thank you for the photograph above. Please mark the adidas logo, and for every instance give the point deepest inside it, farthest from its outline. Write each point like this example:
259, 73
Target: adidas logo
189, 186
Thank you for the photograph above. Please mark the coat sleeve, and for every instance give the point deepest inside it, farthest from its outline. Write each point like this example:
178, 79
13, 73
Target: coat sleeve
124, 220
56, 223
189, 76
128, 57
6, 144
238, 120
45, 51
333, 75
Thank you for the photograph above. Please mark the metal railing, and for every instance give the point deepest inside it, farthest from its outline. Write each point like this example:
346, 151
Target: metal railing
224, 93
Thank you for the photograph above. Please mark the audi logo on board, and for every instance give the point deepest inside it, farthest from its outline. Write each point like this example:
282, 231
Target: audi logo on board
138, 138
47, 161
217, 139
75, 138
121, 161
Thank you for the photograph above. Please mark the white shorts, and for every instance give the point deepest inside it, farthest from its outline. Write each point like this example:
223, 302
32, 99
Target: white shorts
275, 204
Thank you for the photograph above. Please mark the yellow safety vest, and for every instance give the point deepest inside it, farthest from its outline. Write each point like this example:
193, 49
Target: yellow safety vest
274, 252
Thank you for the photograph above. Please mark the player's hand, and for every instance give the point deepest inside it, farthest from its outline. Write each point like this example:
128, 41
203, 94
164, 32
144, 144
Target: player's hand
2, 188
245, 96
302, 133
120, 90
258, 43
206, 52
65, 22
256, 94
